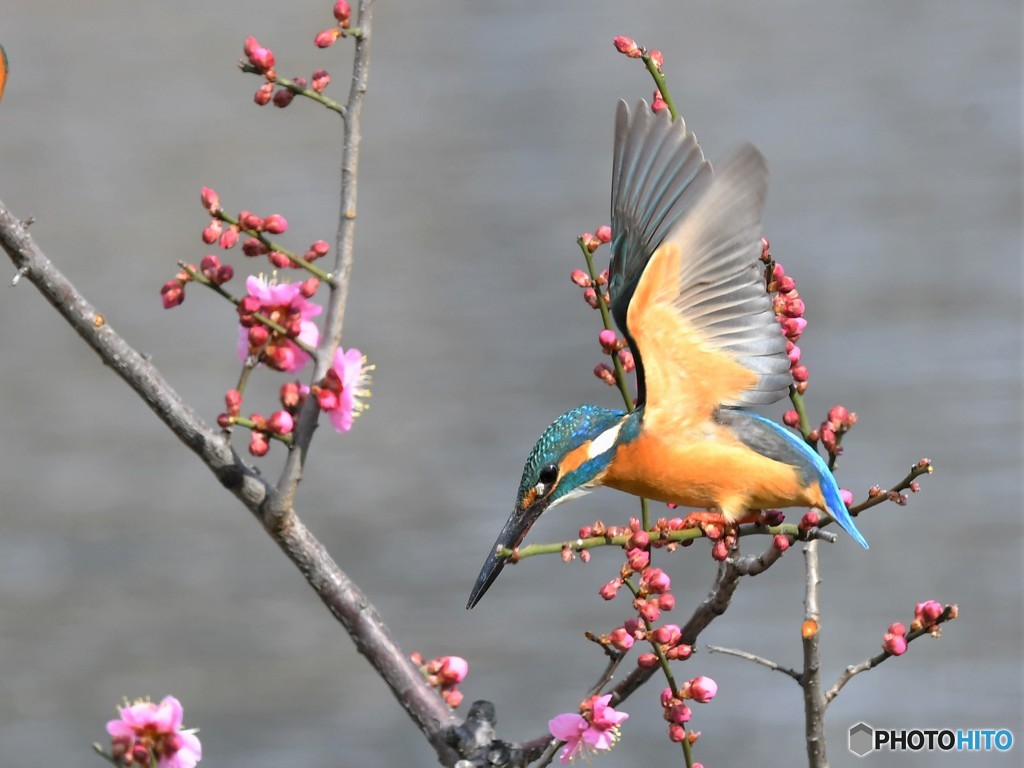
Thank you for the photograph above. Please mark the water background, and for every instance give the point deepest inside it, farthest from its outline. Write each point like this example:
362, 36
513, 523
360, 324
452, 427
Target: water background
893, 134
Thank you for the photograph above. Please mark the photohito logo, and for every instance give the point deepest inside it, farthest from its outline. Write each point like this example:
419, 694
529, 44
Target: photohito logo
863, 739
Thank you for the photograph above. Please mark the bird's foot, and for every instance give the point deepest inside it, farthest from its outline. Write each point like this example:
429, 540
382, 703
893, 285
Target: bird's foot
714, 525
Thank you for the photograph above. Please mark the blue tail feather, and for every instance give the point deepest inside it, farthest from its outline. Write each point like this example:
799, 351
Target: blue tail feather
826, 481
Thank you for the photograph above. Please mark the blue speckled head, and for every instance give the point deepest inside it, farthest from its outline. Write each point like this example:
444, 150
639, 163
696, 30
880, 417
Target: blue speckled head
567, 458
566, 433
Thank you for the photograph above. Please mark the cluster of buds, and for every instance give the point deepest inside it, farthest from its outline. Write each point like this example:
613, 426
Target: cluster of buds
789, 309
271, 346
343, 16
279, 424
273, 89
894, 641
929, 614
613, 346
444, 673
723, 539
677, 713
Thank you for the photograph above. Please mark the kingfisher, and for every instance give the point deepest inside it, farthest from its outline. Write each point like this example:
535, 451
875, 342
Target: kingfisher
687, 291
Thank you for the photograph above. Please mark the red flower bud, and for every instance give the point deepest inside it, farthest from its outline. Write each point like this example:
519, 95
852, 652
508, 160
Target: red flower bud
627, 46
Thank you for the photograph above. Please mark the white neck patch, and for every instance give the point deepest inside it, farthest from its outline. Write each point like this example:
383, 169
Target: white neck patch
603, 442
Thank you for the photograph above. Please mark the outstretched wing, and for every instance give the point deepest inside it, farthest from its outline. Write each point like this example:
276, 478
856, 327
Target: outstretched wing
658, 171
699, 315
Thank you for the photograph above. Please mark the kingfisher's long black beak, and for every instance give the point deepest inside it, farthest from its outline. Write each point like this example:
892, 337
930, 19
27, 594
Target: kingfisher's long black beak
515, 530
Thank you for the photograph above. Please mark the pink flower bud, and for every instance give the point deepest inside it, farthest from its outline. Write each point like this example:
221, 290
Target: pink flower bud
627, 46
172, 293
669, 634
210, 200
894, 644
275, 224
897, 628
326, 38
621, 639
262, 58
229, 238
253, 247
846, 496
719, 550
453, 670
785, 284
233, 400
702, 689
317, 250
263, 94
250, 221
258, 335
290, 394
657, 580
780, 541
626, 358
794, 306
793, 327
666, 601
793, 354
677, 733
648, 609
928, 612
212, 232
604, 233
327, 400
809, 520
279, 260
208, 266
342, 11
791, 419
321, 79
638, 559
258, 446
609, 590
590, 296
283, 97
658, 104
800, 373
605, 374
309, 287
639, 540
680, 652
608, 340
250, 45
838, 415
580, 278
452, 697
679, 713
280, 423
647, 661
658, 59
772, 517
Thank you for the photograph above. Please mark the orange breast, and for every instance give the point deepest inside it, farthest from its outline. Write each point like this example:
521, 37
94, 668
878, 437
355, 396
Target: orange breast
706, 467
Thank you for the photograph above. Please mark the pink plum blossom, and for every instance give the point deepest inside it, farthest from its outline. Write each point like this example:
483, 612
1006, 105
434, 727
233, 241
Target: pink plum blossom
598, 730
156, 728
341, 390
285, 305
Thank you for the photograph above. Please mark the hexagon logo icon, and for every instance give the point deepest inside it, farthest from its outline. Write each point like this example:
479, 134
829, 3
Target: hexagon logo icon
861, 739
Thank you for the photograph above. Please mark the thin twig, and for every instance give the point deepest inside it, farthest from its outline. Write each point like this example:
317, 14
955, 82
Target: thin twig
810, 680
291, 474
756, 659
950, 613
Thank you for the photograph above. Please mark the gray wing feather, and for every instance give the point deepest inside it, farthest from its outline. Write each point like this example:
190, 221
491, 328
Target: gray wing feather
722, 291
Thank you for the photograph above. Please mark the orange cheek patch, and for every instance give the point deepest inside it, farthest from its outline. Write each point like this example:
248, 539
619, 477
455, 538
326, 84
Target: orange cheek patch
574, 459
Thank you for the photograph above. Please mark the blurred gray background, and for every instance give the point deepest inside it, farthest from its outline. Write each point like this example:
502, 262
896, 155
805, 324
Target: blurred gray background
893, 132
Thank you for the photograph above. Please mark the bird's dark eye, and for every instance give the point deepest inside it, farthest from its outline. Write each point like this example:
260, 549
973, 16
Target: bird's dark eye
548, 474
